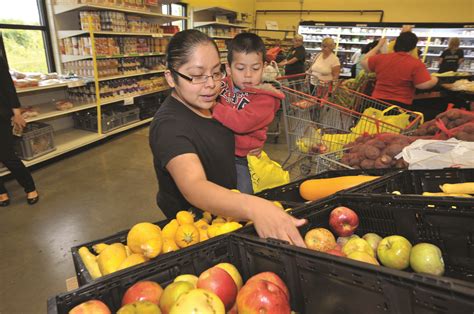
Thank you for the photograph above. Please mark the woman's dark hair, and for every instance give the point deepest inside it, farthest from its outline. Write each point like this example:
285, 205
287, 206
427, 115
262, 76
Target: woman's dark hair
247, 43
181, 46
405, 42
369, 47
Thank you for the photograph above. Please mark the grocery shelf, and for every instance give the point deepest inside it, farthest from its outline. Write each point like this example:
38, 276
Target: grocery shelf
106, 101
66, 141
222, 37
130, 55
70, 58
129, 126
216, 23
114, 77
49, 111
39, 88
216, 10
71, 33
165, 18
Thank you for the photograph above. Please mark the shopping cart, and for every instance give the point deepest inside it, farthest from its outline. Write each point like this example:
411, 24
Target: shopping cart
318, 129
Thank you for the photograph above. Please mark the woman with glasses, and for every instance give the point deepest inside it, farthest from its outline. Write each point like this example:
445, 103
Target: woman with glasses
193, 154
326, 66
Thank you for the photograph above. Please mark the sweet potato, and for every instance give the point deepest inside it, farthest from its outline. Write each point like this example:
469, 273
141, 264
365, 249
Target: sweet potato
453, 114
367, 164
376, 143
371, 152
354, 161
379, 164
393, 149
386, 159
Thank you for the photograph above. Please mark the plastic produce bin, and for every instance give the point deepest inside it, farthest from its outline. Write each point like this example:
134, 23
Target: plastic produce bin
318, 283
37, 140
448, 224
83, 276
129, 114
412, 183
291, 191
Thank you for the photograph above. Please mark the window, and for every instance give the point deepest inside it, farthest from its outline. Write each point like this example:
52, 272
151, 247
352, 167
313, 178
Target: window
176, 9
24, 39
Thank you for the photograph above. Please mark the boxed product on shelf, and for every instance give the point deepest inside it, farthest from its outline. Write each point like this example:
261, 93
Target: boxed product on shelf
37, 139
114, 67
317, 283
413, 183
446, 223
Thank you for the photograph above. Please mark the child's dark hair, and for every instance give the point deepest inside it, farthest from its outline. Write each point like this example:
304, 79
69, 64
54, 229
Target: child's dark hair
247, 43
181, 47
405, 42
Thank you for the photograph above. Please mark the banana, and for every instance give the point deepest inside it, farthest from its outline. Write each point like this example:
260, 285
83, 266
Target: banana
446, 194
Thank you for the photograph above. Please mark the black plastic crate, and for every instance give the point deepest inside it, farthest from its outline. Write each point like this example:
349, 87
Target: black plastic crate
291, 191
87, 120
447, 224
318, 283
37, 140
128, 114
149, 104
412, 183
83, 276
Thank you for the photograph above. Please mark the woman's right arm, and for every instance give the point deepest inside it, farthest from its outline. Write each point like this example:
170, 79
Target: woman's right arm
269, 220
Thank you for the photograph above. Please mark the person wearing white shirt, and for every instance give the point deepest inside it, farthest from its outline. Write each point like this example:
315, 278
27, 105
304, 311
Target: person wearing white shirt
326, 66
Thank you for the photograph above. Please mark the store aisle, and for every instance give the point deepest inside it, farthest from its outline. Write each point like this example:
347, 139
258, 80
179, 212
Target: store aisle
87, 196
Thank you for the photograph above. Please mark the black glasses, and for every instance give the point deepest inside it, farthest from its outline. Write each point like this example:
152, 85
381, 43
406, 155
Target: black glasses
200, 79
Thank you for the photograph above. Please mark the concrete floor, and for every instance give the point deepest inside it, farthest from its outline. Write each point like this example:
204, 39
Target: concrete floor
89, 195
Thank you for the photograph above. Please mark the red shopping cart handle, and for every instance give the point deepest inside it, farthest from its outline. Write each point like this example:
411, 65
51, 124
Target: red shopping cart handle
293, 76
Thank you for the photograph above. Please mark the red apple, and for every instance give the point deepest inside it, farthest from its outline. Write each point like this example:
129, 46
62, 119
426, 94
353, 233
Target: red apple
143, 291
262, 296
218, 281
343, 221
273, 278
91, 307
336, 251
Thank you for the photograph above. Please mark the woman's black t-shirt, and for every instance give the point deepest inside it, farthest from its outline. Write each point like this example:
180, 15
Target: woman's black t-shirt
450, 60
297, 67
177, 130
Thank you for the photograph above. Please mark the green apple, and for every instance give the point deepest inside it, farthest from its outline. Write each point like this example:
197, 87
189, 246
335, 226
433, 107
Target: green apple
363, 257
373, 239
427, 258
394, 252
357, 244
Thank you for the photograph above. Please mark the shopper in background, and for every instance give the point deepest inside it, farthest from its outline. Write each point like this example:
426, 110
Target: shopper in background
326, 66
10, 117
391, 45
398, 73
452, 57
294, 62
193, 154
245, 106
364, 51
